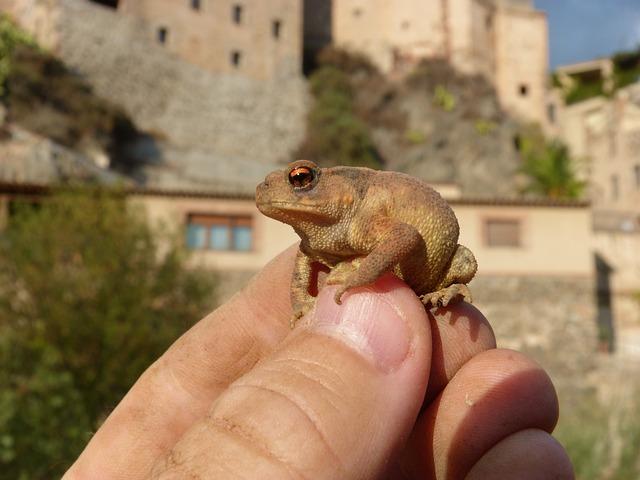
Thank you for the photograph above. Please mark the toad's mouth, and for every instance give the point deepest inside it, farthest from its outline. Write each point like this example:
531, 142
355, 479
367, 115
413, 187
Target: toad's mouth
284, 211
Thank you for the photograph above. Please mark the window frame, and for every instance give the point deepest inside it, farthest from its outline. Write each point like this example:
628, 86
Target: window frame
519, 222
209, 220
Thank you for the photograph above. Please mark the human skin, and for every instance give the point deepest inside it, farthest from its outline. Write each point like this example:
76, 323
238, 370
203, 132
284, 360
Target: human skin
374, 388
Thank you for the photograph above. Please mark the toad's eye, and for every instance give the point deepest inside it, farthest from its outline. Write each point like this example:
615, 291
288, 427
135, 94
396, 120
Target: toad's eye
301, 178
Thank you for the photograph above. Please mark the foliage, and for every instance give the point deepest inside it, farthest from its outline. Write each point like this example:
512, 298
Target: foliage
335, 133
11, 37
484, 126
89, 297
626, 68
549, 168
415, 137
444, 98
602, 438
583, 90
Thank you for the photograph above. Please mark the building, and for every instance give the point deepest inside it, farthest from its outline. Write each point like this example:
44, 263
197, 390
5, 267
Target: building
257, 39
253, 37
506, 41
603, 133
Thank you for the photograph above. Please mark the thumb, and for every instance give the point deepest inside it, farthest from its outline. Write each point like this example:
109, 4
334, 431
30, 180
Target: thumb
337, 399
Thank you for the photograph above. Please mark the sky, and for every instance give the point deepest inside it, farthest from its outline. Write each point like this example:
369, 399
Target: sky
585, 29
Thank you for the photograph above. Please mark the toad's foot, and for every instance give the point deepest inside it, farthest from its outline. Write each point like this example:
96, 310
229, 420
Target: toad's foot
443, 297
342, 271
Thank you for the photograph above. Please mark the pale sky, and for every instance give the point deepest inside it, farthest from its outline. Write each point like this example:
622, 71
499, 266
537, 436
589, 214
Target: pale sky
585, 29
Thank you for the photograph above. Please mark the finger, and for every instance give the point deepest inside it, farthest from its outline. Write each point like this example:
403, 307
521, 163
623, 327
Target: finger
336, 400
459, 332
179, 387
497, 393
525, 455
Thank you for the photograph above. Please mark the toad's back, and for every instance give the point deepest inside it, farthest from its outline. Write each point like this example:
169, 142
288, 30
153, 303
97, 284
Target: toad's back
409, 200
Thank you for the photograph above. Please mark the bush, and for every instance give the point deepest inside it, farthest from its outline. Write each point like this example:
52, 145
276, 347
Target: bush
89, 297
549, 168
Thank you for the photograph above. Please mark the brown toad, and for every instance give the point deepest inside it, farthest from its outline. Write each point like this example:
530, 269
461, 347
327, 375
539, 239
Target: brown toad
361, 223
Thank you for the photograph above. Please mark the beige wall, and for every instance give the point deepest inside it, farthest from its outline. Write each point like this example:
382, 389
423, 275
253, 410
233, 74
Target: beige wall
555, 240
207, 37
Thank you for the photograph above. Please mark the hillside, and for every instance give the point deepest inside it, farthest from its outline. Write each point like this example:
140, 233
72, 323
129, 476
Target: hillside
435, 124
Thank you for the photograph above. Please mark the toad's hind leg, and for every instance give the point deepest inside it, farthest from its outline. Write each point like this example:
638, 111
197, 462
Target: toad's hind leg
461, 270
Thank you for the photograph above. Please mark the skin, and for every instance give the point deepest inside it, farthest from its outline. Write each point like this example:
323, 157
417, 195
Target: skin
228, 399
360, 224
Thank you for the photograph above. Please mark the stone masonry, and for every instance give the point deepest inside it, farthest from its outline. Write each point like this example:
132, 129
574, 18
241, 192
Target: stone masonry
231, 114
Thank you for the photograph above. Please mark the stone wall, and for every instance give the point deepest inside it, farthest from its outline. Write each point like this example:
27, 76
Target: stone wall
232, 115
552, 319
264, 37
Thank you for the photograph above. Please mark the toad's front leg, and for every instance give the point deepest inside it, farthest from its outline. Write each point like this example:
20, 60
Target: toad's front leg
395, 243
301, 300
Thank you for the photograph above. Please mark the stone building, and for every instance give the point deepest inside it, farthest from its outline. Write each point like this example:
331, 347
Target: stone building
504, 40
225, 117
603, 133
256, 38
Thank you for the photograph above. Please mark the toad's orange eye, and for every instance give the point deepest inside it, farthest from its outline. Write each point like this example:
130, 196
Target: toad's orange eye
301, 177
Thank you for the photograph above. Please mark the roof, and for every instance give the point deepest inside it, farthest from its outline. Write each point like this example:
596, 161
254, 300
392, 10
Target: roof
226, 193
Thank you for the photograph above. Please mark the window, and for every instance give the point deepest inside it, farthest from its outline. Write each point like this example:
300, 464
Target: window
237, 14
236, 58
615, 187
219, 232
163, 35
551, 113
357, 12
524, 89
405, 25
502, 233
636, 176
195, 4
276, 27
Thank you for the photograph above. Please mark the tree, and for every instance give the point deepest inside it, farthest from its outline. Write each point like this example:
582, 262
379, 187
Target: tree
550, 169
89, 297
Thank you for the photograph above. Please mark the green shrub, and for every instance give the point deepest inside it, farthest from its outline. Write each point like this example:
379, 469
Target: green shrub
415, 137
89, 297
484, 127
444, 98
549, 168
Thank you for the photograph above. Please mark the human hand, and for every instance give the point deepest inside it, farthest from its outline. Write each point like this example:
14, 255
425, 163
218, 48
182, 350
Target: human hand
343, 396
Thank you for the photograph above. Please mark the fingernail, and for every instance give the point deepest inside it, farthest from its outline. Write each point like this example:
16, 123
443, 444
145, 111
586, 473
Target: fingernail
369, 321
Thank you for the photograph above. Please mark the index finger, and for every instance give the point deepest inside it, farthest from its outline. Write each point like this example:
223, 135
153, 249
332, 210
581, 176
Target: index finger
179, 387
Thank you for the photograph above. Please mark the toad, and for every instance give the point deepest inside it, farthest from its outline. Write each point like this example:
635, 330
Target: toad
361, 223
